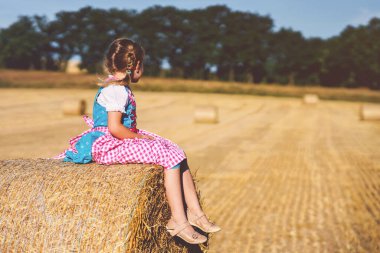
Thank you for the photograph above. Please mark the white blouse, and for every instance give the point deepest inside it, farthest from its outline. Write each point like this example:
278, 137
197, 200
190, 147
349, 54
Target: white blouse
114, 98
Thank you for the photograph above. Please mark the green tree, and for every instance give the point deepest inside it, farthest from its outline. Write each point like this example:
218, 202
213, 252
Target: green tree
87, 33
155, 26
353, 57
286, 56
22, 46
203, 49
64, 30
244, 46
254, 46
94, 36
240, 46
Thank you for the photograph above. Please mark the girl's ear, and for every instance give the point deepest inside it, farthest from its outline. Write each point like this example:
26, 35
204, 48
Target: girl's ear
138, 66
137, 72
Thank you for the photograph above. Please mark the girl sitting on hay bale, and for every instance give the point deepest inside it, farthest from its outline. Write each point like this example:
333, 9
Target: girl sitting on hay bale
114, 138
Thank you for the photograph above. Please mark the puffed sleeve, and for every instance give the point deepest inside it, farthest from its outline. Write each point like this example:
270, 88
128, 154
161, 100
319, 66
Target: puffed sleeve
114, 98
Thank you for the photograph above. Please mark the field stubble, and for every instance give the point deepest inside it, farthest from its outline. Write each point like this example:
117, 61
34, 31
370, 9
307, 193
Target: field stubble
277, 175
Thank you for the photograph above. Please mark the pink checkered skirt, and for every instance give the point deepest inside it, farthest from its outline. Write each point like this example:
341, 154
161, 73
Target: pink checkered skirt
110, 150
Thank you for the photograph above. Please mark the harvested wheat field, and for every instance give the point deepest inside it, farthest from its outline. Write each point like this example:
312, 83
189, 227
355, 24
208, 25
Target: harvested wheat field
276, 174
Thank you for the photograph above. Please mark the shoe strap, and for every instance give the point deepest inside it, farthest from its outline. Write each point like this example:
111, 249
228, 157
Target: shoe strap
198, 217
194, 215
203, 215
179, 228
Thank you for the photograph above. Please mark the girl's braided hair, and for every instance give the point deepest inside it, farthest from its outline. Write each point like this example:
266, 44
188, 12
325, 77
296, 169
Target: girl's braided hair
122, 56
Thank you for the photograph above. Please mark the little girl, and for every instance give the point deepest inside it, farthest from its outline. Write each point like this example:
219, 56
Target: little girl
114, 138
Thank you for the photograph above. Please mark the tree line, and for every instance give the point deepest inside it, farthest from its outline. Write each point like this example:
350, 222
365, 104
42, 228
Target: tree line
210, 43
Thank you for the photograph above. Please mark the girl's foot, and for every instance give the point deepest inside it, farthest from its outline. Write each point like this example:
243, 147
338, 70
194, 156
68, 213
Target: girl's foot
185, 232
200, 221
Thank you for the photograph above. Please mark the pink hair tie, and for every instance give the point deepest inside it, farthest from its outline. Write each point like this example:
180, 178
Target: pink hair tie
111, 78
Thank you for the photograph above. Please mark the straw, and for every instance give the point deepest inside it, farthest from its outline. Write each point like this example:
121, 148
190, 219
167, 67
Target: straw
53, 206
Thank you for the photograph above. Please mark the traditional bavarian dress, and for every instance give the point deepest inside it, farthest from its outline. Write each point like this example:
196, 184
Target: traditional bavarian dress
97, 144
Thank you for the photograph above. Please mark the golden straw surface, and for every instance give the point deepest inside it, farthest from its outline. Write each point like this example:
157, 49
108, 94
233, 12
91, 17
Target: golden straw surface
54, 206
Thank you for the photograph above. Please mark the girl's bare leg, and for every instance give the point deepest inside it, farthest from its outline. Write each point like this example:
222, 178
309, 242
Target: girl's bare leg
174, 195
191, 196
189, 190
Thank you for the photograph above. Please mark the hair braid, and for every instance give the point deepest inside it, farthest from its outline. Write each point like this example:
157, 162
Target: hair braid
122, 56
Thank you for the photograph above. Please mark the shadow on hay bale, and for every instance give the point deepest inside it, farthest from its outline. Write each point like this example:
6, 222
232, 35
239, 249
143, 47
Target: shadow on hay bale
53, 206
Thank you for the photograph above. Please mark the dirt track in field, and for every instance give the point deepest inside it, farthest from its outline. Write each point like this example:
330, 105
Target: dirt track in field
277, 175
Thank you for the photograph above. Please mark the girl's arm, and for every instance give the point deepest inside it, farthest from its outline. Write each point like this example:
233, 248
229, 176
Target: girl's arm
118, 130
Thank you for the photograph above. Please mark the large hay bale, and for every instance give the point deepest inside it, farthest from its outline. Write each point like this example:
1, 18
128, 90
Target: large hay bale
74, 107
310, 99
369, 112
206, 114
53, 206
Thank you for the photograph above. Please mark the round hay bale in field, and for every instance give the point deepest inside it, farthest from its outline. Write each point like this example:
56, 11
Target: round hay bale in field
74, 107
310, 99
206, 114
54, 206
369, 112
73, 67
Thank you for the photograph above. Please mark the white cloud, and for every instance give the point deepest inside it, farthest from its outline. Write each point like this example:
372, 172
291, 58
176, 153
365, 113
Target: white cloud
364, 16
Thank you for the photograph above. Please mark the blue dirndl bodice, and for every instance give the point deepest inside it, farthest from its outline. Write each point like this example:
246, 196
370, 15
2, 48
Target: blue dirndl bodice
82, 152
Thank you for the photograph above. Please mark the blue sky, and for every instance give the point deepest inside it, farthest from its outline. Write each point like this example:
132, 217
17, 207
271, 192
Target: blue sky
314, 18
